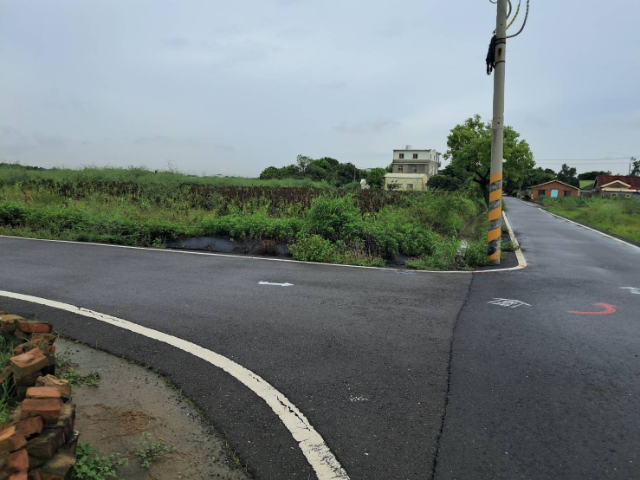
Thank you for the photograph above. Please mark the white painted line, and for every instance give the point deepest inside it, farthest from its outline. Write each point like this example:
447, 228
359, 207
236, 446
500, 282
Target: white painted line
505, 302
635, 291
248, 257
276, 284
323, 462
589, 228
522, 262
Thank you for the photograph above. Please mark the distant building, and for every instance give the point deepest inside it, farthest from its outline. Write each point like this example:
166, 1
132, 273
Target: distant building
617, 186
554, 189
405, 181
587, 188
411, 168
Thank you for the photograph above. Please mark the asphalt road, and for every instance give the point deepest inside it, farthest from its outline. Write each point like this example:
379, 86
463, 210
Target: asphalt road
538, 392
365, 354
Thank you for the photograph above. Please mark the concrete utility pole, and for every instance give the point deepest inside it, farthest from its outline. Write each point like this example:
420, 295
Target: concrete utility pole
495, 190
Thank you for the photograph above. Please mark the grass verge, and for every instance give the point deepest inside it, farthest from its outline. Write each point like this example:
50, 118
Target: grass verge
619, 217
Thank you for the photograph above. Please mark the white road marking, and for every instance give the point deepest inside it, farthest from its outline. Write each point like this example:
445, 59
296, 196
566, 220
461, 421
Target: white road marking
314, 448
505, 302
248, 257
276, 284
633, 290
522, 262
589, 228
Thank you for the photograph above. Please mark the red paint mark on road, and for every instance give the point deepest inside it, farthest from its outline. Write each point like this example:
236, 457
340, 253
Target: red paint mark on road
608, 310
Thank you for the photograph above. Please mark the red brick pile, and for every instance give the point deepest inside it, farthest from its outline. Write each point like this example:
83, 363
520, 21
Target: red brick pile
40, 442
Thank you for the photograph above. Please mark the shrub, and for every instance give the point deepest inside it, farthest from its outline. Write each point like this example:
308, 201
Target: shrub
313, 248
335, 218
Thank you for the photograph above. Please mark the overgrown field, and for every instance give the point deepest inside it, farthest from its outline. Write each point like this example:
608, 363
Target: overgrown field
367, 227
618, 216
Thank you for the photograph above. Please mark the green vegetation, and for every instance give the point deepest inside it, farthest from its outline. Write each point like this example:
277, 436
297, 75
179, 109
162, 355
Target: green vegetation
6, 389
141, 208
470, 153
149, 452
326, 169
12, 173
91, 466
618, 216
92, 379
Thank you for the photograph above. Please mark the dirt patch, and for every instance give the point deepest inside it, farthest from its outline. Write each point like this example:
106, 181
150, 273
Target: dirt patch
132, 400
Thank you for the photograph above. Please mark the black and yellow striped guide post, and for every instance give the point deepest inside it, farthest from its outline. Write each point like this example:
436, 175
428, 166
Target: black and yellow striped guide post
495, 218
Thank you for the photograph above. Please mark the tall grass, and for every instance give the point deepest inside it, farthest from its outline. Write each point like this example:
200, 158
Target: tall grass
11, 174
365, 227
618, 216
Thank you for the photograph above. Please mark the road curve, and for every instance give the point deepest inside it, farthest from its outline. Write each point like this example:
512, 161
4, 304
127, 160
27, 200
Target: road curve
529, 391
362, 353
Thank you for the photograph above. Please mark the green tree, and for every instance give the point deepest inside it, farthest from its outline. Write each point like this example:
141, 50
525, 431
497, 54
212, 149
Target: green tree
375, 177
635, 167
538, 176
591, 175
470, 150
568, 175
345, 173
270, 173
444, 182
303, 162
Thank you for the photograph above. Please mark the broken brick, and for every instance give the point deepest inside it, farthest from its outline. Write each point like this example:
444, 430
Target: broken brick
60, 467
72, 443
29, 362
11, 440
22, 335
27, 380
47, 408
46, 444
66, 420
35, 461
52, 349
19, 476
43, 392
43, 337
51, 381
7, 325
34, 326
18, 350
17, 462
29, 426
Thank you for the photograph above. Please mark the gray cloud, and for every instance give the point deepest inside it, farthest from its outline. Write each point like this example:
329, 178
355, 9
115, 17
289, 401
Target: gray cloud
233, 87
366, 127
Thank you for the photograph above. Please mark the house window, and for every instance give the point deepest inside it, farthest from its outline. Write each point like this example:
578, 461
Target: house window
567, 193
401, 155
415, 155
414, 169
614, 195
627, 195
542, 192
400, 168
409, 186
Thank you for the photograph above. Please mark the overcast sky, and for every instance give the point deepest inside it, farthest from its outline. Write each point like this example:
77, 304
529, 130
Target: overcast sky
236, 86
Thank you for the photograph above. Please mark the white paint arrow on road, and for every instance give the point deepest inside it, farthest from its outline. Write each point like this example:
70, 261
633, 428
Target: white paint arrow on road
276, 284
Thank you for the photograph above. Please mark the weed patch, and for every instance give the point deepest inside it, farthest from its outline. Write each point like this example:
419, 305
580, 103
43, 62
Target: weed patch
92, 379
149, 452
91, 466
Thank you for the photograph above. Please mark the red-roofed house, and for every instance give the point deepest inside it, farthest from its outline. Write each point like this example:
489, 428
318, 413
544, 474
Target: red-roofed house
620, 186
554, 189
